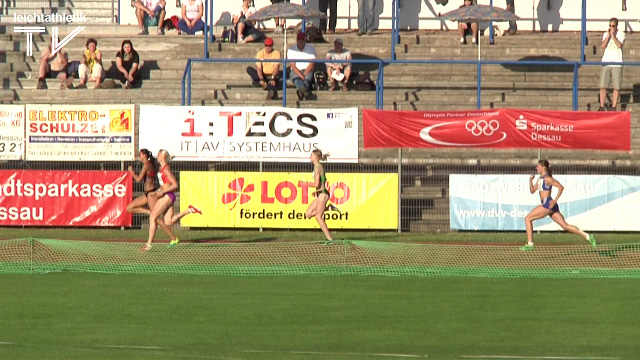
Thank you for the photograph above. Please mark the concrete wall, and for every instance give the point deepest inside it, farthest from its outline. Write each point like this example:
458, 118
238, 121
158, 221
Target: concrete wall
552, 15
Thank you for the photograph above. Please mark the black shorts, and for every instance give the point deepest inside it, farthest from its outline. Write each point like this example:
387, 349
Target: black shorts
510, 2
279, 1
54, 74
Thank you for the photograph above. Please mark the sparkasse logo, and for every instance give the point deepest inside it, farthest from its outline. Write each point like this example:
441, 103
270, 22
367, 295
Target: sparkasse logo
47, 18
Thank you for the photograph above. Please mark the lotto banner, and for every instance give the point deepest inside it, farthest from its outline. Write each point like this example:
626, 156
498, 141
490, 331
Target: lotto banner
501, 128
500, 202
65, 198
205, 133
280, 200
80, 132
11, 132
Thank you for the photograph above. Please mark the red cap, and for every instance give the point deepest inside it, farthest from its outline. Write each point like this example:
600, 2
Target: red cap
301, 36
268, 42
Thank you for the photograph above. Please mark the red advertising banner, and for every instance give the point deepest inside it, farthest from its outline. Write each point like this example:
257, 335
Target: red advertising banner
500, 128
65, 198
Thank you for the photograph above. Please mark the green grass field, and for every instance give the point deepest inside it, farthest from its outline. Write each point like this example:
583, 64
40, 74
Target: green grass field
99, 316
103, 316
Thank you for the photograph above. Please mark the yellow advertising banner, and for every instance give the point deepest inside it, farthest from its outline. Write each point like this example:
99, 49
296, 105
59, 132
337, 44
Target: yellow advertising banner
280, 200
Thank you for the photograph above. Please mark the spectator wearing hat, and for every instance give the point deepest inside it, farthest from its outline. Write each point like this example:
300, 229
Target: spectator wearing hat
302, 71
339, 71
266, 74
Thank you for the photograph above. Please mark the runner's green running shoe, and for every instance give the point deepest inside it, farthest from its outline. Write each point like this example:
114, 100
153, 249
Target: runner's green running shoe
592, 241
526, 247
173, 243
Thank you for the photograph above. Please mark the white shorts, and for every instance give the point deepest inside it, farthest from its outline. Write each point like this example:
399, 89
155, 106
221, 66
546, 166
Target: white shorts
97, 71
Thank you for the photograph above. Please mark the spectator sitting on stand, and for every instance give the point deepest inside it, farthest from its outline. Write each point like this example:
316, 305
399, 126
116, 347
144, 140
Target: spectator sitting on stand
247, 32
266, 74
150, 13
54, 66
280, 23
91, 65
127, 64
301, 71
465, 28
339, 71
191, 22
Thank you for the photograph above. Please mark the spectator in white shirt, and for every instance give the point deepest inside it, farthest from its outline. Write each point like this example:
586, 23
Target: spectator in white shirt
191, 22
302, 71
339, 71
612, 43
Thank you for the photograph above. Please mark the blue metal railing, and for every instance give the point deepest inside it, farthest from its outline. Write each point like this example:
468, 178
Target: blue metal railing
211, 22
491, 31
395, 27
207, 20
584, 30
187, 79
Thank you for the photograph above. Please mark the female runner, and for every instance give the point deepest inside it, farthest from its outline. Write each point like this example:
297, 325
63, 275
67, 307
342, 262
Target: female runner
165, 197
148, 175
549, 206
319, 205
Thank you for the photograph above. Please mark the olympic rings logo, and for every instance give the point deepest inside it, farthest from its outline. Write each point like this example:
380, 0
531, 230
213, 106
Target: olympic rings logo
482, 127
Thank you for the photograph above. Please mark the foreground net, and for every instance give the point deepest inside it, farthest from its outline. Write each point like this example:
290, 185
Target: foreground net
341, 258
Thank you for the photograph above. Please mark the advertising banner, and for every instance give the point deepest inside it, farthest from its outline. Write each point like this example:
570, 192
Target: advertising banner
280, 200
206, 133
80, 132
500, 202
11, 132
65, 198
499, 128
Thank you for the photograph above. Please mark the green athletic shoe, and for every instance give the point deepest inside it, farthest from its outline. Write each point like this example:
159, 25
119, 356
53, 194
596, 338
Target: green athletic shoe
173, 243
328, 242
592, 241
526, 248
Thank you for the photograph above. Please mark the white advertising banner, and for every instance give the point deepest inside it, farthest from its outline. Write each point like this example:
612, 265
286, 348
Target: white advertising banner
500, 202
80, 132
11, 132
206, 133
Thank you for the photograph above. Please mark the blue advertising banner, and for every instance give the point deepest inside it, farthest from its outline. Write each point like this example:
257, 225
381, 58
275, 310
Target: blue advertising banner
500, 202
